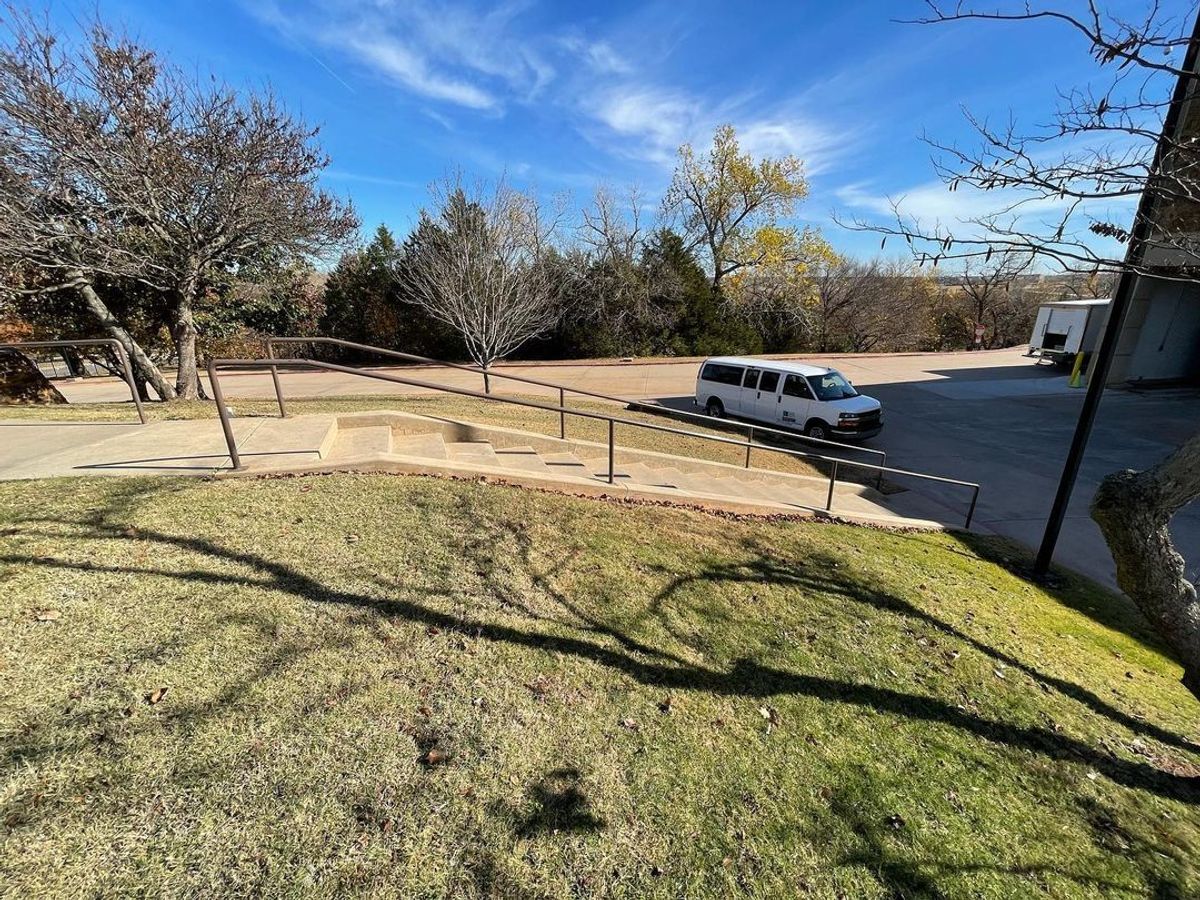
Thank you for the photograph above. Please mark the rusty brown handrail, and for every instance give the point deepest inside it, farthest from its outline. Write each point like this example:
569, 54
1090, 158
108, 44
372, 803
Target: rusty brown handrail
562, 389
109, 342
227, 427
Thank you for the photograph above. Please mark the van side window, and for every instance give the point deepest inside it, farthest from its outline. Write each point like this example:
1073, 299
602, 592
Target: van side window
794, 386
769, 382
751, 378
722, 374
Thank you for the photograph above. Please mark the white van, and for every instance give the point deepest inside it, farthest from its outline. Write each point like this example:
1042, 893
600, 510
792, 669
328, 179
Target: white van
813, 399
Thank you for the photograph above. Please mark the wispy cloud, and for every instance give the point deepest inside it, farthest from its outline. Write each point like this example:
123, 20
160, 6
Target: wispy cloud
449, 53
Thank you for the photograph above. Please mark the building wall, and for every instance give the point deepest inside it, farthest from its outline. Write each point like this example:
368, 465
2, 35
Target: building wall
1160, 340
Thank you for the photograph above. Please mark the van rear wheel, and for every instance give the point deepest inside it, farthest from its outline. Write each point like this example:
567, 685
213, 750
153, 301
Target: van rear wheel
818, 430
714, 408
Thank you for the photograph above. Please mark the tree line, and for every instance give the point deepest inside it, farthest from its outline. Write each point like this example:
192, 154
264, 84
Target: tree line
185, 218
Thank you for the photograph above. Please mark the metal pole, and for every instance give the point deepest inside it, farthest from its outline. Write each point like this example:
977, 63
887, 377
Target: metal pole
611, 464
749, 444
971, 511
275, 378
133, 391
832, 482
562, 416
1116, 319
879, 478
226, 425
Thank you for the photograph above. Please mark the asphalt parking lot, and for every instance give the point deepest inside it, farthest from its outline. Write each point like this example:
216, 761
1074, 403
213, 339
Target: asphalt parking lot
1008, 427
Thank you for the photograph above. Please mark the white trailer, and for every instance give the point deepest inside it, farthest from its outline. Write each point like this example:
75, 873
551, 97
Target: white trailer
1065, 328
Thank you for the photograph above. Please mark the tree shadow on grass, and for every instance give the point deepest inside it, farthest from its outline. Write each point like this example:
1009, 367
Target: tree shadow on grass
821, 574
745, 678
559, 805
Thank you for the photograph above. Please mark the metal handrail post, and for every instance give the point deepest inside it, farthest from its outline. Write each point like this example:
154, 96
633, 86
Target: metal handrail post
612, 474
95, 342
128, 372
879, 477
223, 413
275, 378
971, 511
749, 444
562, 414
832, 481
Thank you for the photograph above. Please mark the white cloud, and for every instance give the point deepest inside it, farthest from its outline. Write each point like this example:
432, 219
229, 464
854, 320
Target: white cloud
449, 52
403, 66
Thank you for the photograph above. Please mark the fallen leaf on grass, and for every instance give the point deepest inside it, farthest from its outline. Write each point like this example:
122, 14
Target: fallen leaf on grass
666, 704
425, 711
771, 715
49, 615
156, 695
896, 821
630, 724
352, 539
435, 757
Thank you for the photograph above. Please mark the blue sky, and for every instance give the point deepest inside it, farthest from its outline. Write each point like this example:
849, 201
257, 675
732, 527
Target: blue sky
563, 96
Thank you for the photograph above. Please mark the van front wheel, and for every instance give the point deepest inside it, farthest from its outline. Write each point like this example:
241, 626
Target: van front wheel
817, 429
715, 408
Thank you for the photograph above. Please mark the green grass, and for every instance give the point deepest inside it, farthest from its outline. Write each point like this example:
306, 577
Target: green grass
633, 701
504, 415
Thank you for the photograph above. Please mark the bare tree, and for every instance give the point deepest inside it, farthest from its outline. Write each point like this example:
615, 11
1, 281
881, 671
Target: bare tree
479, 262
989, 288
842, 285
238, 176
151, 174
60, 229
1105, 145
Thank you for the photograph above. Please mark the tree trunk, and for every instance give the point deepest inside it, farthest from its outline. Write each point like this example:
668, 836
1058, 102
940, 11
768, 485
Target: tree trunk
144, 369
1134, 511
183, 333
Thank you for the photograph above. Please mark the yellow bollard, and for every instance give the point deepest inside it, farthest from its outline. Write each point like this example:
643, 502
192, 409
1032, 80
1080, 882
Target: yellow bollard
1077, 372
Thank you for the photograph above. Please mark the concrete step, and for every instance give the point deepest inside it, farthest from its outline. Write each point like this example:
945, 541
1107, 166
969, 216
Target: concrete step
353, 443
525, 459
563, 463
640, 473
480, 453
597, 467
430, 446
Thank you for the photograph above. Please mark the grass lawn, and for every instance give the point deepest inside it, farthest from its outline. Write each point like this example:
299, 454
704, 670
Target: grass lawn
504, 415
413, 687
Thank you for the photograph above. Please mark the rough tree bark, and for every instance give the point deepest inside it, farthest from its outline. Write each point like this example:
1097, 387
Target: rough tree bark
183, 333
1134, 511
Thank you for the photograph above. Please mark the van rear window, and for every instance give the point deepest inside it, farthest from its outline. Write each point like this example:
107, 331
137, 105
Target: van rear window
722, 374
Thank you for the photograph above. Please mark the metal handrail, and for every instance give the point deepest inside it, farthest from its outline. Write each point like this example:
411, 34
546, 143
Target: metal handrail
226, 426
562, 389
109, 342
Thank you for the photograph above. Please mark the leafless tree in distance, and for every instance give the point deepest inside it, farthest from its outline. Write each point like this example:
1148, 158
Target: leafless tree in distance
479, 262
61, 230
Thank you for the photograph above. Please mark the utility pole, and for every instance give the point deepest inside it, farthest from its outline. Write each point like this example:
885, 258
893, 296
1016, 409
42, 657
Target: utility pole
1122, 297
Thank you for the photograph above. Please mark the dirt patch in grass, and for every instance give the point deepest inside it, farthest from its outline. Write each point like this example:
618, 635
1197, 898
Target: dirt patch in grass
390, 686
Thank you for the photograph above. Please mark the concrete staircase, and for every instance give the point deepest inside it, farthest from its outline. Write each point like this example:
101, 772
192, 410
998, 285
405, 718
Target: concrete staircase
387, 441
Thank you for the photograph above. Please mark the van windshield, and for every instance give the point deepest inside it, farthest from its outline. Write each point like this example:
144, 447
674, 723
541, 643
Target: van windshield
831, 386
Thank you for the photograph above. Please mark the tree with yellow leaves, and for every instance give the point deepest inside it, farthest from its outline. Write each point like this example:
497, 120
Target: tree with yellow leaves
730, 206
